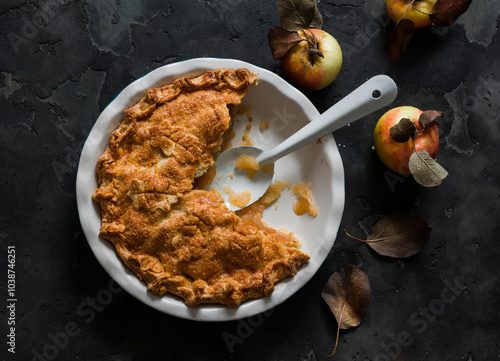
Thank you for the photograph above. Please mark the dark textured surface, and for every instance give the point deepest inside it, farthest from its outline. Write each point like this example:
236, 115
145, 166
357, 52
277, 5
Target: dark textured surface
62, 62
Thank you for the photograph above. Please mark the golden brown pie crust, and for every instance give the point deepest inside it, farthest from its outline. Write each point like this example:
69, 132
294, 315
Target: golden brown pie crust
178, 239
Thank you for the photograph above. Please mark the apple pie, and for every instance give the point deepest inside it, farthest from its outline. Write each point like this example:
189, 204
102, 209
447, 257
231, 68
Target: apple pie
175, 237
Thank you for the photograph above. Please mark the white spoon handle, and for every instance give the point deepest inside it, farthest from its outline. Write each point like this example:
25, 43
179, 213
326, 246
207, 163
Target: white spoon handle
374, 94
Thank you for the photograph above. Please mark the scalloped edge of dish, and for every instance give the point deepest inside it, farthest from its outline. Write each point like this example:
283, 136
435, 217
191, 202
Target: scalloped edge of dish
104, 250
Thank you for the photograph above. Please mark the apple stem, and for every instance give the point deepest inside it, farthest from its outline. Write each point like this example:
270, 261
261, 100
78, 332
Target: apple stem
414, 144
311, 42
313, 45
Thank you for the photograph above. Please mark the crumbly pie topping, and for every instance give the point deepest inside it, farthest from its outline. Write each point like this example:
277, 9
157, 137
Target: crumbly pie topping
177, 238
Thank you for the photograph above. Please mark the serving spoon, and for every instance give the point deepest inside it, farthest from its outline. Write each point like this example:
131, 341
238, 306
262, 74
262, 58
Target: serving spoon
372, 95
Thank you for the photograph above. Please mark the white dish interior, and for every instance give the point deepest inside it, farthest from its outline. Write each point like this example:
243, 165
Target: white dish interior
287, 110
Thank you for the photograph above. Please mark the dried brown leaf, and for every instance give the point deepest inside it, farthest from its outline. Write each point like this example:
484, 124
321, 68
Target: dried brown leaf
348, 289
403, 130
426, 171
282, 40
399, 38
317, 21
299, 14
399, 235
429, 118
446, 12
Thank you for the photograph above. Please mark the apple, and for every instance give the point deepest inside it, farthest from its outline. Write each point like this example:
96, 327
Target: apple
314, 63
396, 155
417, 11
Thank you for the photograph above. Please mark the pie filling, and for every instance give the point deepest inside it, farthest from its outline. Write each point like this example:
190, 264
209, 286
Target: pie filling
176, 236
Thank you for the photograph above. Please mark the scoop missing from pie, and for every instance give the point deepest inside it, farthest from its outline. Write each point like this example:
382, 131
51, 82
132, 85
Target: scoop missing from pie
176, 238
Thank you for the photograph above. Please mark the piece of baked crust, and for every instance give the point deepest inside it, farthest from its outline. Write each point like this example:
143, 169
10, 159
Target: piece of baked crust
175, 238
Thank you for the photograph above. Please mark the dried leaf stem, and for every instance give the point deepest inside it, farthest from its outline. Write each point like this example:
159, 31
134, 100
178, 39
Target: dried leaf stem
375, 240
338, 330
408, 8
298, 13
423, 160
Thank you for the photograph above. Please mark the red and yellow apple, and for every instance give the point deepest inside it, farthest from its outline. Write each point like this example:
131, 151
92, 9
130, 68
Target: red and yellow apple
417, 11
309, 69
396, 155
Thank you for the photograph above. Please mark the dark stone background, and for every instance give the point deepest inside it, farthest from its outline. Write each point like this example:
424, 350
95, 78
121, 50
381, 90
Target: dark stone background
62, 62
